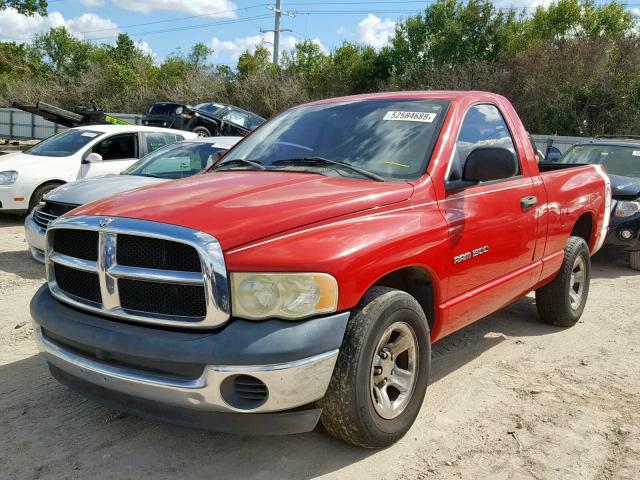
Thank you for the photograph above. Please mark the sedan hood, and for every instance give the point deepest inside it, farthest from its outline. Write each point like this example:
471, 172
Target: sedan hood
92, 189
238, 207
624, 188
15, 160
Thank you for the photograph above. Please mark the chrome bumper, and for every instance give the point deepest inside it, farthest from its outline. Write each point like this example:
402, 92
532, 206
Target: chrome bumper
290, 385
35, 238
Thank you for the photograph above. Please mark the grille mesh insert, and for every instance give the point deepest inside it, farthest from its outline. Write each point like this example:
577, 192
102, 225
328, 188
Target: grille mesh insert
85, 285
155, 253
162, 298
76, 243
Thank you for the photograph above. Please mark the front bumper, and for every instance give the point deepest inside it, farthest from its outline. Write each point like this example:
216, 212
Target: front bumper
14, 198
294, 360
35, 236
618, 226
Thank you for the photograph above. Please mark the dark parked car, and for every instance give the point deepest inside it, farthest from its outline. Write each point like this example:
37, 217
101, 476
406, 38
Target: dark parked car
205, 119
621, 159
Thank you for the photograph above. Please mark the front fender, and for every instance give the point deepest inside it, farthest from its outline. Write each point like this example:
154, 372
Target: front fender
358, 250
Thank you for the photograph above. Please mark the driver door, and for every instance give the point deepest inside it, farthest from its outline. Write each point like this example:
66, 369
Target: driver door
492, 236
118, 152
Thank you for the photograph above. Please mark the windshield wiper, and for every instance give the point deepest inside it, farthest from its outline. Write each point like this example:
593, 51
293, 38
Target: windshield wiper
326, 161
241, 161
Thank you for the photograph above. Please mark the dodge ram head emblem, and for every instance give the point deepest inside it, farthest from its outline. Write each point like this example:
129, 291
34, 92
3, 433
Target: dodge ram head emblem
105, 221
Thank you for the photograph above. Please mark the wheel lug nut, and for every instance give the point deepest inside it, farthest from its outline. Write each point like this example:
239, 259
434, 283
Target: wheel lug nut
383, 355
377, 370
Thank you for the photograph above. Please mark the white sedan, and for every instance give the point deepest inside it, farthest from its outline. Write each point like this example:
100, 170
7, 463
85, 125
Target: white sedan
74, 154
178, 160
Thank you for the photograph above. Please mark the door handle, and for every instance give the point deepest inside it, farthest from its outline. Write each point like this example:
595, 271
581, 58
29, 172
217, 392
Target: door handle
528, 202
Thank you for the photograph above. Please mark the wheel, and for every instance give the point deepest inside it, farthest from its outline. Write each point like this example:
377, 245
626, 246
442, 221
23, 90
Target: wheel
381, 373
634, 260
201, 131
36, 198
562, 301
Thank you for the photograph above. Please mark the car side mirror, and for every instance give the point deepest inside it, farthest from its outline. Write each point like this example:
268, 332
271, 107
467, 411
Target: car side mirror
485, 164
93, 158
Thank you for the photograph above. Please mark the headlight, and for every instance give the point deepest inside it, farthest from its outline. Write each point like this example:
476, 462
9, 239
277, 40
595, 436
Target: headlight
627, 209
179, 110
8, 178
283, 295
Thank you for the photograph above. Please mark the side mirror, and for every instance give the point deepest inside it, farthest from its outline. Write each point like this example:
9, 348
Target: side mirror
485, 164
93, 158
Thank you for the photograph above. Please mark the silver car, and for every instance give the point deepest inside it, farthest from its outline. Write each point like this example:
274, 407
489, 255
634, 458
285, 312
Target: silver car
178, 160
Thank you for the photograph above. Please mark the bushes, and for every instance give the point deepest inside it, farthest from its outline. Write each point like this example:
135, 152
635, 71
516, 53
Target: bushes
570, 68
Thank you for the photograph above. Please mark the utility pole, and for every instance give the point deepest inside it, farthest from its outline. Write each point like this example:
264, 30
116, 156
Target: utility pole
276, 28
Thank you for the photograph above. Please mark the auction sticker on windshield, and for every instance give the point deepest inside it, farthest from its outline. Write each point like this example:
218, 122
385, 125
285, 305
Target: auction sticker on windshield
410, 116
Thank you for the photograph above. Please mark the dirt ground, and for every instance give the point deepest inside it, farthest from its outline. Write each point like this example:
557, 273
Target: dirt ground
510, 398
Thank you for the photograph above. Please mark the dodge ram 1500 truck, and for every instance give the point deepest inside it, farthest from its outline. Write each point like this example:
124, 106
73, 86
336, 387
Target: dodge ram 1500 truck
306, 276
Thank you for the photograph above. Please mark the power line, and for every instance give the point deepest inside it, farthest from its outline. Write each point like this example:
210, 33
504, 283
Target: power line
178, 19
190, 27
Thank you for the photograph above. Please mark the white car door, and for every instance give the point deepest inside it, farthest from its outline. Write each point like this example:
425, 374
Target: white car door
117, 153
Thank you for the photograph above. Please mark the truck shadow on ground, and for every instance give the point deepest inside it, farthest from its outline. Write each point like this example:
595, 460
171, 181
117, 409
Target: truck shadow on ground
62, 431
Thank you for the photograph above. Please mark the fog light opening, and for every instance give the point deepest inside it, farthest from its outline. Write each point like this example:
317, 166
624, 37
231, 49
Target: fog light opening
244, 392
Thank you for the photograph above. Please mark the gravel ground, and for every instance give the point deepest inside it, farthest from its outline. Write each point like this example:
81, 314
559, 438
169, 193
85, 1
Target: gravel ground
509, 398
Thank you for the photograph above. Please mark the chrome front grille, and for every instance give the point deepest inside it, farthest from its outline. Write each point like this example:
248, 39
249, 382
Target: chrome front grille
138, 270
43, 215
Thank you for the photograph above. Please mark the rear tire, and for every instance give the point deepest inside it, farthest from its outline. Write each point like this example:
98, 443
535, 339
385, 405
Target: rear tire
634, 260
365, 404
40, 192
201, 131
562, 301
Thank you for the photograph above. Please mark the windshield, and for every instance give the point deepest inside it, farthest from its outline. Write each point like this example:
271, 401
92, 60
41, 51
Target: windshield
617, 159
391, 138
63, 144
178, 160
210, 107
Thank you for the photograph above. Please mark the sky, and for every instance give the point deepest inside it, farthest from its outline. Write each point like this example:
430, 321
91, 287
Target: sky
229, 27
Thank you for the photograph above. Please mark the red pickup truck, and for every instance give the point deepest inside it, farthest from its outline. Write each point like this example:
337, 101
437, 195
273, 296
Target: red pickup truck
305, 277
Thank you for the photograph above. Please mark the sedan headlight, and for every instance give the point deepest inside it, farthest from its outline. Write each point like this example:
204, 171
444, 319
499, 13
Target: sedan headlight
283, 295
627, 209
8, 178
179, 110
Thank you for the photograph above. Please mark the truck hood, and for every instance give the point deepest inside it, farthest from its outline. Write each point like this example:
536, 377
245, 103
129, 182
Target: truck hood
238, 207
92, 189
624, 188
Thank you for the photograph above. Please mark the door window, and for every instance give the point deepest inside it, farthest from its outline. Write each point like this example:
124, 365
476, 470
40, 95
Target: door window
118, 147
483, 125
160, 139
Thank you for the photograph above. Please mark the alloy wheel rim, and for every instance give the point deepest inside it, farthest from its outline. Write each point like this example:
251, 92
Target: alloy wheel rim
576, 290
394, 370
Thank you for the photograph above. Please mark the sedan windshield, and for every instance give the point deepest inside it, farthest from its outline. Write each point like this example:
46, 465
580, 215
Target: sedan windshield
178, 160
617, 159
63, 144
388, 138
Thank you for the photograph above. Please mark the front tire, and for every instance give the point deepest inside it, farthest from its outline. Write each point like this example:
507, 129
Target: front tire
201, 131
634, 260
381, 373
562, 301
40, 192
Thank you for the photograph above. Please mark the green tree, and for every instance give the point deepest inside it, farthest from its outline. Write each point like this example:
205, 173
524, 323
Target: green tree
65, 54
25, 7
199, 54
257, 62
